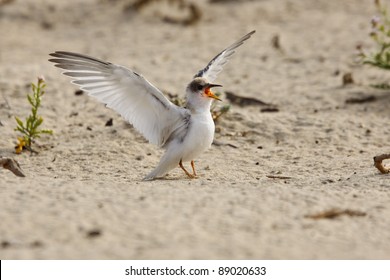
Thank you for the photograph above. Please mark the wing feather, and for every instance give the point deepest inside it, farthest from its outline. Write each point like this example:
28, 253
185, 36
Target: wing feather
127, 92
85, 74
215, 66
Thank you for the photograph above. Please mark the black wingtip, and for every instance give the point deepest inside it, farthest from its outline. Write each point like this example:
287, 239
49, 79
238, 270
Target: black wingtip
77, 56
250, 34
56, 53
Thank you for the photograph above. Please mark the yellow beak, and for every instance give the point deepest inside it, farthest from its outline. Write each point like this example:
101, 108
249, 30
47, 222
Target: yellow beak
209, 93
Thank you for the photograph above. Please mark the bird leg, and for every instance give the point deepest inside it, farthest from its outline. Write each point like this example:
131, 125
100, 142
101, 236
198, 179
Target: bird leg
193, 168
188, 173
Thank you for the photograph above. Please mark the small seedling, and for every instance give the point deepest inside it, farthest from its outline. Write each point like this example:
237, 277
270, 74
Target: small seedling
380, 34
216, 110
30, 129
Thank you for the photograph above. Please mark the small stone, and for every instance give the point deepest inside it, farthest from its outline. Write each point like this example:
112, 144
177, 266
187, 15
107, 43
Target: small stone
140, 157
5, 244
94, 233
110, 122
347, 79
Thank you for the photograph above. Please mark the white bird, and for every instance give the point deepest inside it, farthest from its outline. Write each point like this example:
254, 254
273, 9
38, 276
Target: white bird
184, 133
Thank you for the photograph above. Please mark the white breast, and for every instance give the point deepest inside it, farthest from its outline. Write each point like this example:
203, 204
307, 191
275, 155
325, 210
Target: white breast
199, 137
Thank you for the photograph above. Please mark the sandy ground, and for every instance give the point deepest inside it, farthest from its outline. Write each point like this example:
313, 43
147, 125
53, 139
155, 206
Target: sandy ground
83, 198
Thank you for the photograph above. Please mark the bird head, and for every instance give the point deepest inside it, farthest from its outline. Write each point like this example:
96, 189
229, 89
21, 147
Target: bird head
199, 87
199, 94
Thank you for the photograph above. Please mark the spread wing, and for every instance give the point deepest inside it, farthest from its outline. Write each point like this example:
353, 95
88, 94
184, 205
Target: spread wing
215, 66
128, 93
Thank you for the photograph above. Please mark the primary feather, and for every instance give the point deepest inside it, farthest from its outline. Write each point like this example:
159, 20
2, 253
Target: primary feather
215, 66
128, 93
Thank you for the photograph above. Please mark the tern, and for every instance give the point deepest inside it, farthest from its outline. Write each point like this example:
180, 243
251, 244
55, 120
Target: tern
184, 132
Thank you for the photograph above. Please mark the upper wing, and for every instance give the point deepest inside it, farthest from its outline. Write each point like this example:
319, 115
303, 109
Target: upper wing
215, 66
127, 92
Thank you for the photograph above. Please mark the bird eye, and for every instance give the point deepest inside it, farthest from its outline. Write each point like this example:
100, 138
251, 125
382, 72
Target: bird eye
199, 87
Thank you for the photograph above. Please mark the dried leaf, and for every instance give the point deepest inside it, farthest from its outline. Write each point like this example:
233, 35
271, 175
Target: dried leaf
334, 213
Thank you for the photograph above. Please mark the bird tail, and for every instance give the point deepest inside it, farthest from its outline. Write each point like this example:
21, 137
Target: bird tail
156, 173
166, 164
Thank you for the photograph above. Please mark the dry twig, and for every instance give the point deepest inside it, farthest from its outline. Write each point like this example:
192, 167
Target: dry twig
278, 177
360, 100
378, 163
12, 165
334, 213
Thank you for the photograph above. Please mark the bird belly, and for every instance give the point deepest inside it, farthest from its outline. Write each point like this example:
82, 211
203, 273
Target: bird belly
199, 138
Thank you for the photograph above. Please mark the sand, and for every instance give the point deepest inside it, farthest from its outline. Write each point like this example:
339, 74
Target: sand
258, 188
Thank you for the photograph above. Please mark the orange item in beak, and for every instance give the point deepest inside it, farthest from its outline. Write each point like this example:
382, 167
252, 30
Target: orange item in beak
210, 94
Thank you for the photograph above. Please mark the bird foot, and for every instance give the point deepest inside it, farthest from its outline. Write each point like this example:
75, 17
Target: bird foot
192, 176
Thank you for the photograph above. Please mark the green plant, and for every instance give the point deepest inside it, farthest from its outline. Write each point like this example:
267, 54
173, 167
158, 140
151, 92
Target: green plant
218, 110
380, 34
30, 129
